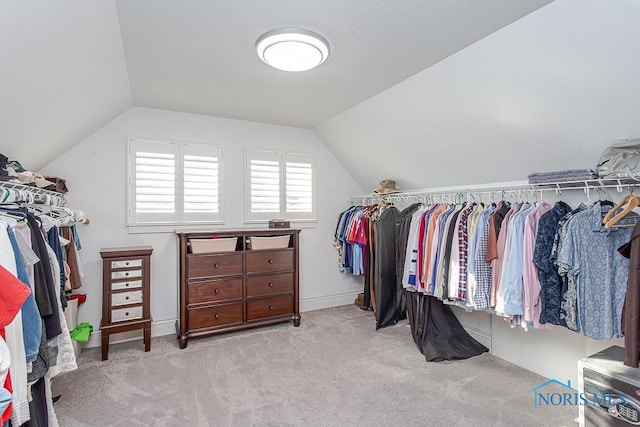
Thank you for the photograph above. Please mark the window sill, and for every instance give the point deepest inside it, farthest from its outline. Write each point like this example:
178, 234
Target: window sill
310, 223
170, 228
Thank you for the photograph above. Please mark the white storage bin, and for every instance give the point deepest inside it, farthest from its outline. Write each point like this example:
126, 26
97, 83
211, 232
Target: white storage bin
203, 246
269, 242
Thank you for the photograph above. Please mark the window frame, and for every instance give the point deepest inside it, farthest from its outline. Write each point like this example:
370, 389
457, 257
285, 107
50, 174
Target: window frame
178, 218
283, 158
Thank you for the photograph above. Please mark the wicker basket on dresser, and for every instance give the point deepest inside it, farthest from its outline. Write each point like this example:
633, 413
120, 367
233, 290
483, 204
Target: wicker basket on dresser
228, 285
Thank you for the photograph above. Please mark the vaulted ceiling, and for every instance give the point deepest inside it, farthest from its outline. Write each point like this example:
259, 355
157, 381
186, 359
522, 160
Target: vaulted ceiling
68, 67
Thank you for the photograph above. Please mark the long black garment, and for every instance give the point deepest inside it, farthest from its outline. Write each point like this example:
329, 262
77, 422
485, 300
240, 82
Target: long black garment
38, 406
387, 300
437, 331
44, 281
404, 223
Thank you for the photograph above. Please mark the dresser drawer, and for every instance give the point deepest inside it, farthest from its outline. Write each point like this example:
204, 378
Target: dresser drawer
130, 284
127, 263
214, 290
126, 274
208, 317
261, 262
269, 307
124, 298
213, 265
122, 314
269, 284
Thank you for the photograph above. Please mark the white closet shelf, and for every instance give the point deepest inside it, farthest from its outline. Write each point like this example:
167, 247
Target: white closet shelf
54, 198
512, 187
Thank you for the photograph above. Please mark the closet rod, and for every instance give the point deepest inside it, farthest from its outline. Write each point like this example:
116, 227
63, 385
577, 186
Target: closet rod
586, 186
59, 198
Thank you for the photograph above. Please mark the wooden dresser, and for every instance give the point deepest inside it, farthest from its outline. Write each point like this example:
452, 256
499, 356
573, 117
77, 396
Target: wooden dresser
235, 286
126, 279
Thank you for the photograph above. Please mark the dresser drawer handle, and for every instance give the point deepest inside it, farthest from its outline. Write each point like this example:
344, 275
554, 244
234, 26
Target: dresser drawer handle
126, 263
126, 313
126, 297
270, 285
126, 284
271, 307
126, 274
217, 316
216, 265
217, 291
270, 261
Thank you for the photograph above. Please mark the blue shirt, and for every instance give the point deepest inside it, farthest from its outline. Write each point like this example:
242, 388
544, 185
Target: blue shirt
588, 255
513, 280
551, 285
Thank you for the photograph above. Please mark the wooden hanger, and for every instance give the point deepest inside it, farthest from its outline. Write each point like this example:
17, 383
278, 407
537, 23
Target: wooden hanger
620, 204
627, 204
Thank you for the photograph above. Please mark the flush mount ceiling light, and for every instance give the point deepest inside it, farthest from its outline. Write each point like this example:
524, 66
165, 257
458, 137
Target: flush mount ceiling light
292, 49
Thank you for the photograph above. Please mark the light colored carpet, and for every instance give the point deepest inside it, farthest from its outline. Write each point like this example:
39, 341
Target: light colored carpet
334, 370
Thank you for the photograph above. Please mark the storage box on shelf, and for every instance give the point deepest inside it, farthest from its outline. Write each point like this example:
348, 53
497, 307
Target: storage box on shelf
255, 282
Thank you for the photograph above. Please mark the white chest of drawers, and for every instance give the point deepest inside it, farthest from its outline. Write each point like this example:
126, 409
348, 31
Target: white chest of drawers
126, 283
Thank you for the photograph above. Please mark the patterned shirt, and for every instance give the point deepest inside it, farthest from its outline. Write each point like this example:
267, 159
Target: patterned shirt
482, 269
551, 286
463, 250
568, 292
589, 256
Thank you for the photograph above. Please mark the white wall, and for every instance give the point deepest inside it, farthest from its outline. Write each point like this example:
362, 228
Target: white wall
62, 75
547, 92
96, 176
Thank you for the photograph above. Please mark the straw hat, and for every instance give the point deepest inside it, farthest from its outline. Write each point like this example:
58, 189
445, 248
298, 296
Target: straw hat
387, 186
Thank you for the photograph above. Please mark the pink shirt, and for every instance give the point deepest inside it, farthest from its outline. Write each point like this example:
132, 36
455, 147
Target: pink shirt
496, 264
530, 283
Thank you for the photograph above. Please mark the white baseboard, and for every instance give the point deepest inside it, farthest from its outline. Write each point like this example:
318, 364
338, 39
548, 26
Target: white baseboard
159, 328
483, 337
167, 327
327, 301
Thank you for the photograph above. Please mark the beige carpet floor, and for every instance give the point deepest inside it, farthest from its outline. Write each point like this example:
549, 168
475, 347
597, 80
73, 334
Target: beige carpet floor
334, 370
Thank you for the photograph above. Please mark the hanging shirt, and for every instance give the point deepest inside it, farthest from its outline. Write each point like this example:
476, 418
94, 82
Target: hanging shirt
631, 311
495, 226
442, 273
411, 255
458, 262
589, 256
568, 293
513, 304
496, 263
550, 282
480, 270
530, 283
430, 246
13, 293
438, 238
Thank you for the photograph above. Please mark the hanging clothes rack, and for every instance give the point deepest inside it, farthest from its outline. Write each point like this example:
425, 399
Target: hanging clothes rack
518, 188
14, 192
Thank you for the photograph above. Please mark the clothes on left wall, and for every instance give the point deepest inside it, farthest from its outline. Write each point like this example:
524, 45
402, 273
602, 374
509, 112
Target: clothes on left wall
34, 276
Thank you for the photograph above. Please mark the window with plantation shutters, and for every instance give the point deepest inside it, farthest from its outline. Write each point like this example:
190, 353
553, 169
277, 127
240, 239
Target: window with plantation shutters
174, 183
279, 186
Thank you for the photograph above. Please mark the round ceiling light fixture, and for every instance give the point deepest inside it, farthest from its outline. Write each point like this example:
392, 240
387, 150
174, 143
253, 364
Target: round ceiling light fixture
292, 49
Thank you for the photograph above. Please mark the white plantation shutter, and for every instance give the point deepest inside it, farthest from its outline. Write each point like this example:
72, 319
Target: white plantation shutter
201, 182
173, 183
299, 172
155, 183
279, 186
265, 186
